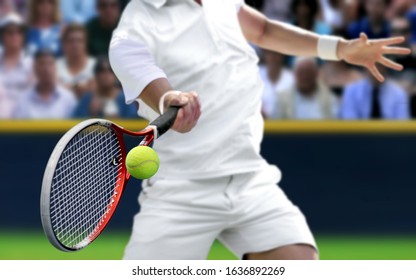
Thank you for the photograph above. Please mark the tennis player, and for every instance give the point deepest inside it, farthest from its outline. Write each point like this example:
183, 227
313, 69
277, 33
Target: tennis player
213, 183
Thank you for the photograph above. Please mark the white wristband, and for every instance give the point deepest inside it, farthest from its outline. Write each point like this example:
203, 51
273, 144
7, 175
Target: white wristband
162, 100
328, 47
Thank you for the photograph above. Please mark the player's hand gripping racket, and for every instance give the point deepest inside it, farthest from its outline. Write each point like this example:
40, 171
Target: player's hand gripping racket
85, 178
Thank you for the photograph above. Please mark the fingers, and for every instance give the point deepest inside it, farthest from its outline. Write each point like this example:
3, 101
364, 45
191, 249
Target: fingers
389, 41
196, 106
176, 100
365, 52
190, 112
396, 50
179, 120
376, 73
390, 64
363, 37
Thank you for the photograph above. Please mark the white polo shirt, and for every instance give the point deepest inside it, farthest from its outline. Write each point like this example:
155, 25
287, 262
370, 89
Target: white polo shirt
202, 49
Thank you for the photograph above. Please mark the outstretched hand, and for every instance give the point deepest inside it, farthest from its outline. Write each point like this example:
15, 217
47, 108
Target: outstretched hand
367, 53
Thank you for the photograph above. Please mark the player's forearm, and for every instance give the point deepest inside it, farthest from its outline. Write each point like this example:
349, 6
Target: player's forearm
152, 94
291, 40
288, 39
285, 38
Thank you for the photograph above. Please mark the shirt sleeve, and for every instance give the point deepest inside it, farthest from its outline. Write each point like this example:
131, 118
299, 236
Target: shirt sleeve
131, 59
238, 4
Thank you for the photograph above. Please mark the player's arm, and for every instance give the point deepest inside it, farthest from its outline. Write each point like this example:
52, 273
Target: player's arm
160, 91
291, 40
142, 79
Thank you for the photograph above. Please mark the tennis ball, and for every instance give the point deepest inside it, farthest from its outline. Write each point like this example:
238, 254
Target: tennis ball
142, 162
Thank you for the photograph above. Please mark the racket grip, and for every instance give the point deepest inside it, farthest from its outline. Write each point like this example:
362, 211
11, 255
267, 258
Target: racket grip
166, 121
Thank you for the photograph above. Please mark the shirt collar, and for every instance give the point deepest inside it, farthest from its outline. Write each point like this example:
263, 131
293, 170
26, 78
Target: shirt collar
159, 3
156, 3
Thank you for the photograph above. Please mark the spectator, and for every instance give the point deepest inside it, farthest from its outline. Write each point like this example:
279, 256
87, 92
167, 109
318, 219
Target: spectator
406, 78
44, 26
278, 10
78, 11
6, 7
337, 74
401, 27
412, 18
20, 7
123, 4
352, 11
375, 24
46, 100
100, 28
305, 13
75, 69
332, 12
16, 69
308, 99
108, 100
276, 78
368, 99
6, 106
399, 8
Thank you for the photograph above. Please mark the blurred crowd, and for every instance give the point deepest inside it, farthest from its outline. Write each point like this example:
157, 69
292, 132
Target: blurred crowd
54, 64
53, 60
306, 88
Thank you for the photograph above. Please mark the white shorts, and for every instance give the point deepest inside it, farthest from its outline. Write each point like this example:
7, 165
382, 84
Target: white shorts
248, 213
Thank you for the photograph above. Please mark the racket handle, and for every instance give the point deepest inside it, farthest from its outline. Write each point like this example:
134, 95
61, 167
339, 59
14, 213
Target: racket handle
166, 121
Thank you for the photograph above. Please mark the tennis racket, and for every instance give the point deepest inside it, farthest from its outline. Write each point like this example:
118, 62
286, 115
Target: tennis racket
85, 178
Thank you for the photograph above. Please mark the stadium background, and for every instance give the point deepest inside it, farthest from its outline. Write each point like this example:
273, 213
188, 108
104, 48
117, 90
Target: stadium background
355, 182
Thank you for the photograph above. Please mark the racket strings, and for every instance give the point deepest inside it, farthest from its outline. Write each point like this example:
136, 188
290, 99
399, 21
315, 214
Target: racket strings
73, 175
70, 160
86, 208
90, 217
83, 185
69, 192
81, 208
63, 173
78, 180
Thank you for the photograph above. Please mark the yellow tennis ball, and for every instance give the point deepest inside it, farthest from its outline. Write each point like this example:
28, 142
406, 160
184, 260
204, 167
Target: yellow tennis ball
142, 162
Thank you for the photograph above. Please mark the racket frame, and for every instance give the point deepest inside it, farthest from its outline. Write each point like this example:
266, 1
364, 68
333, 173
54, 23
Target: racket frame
149, 134
156, 129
